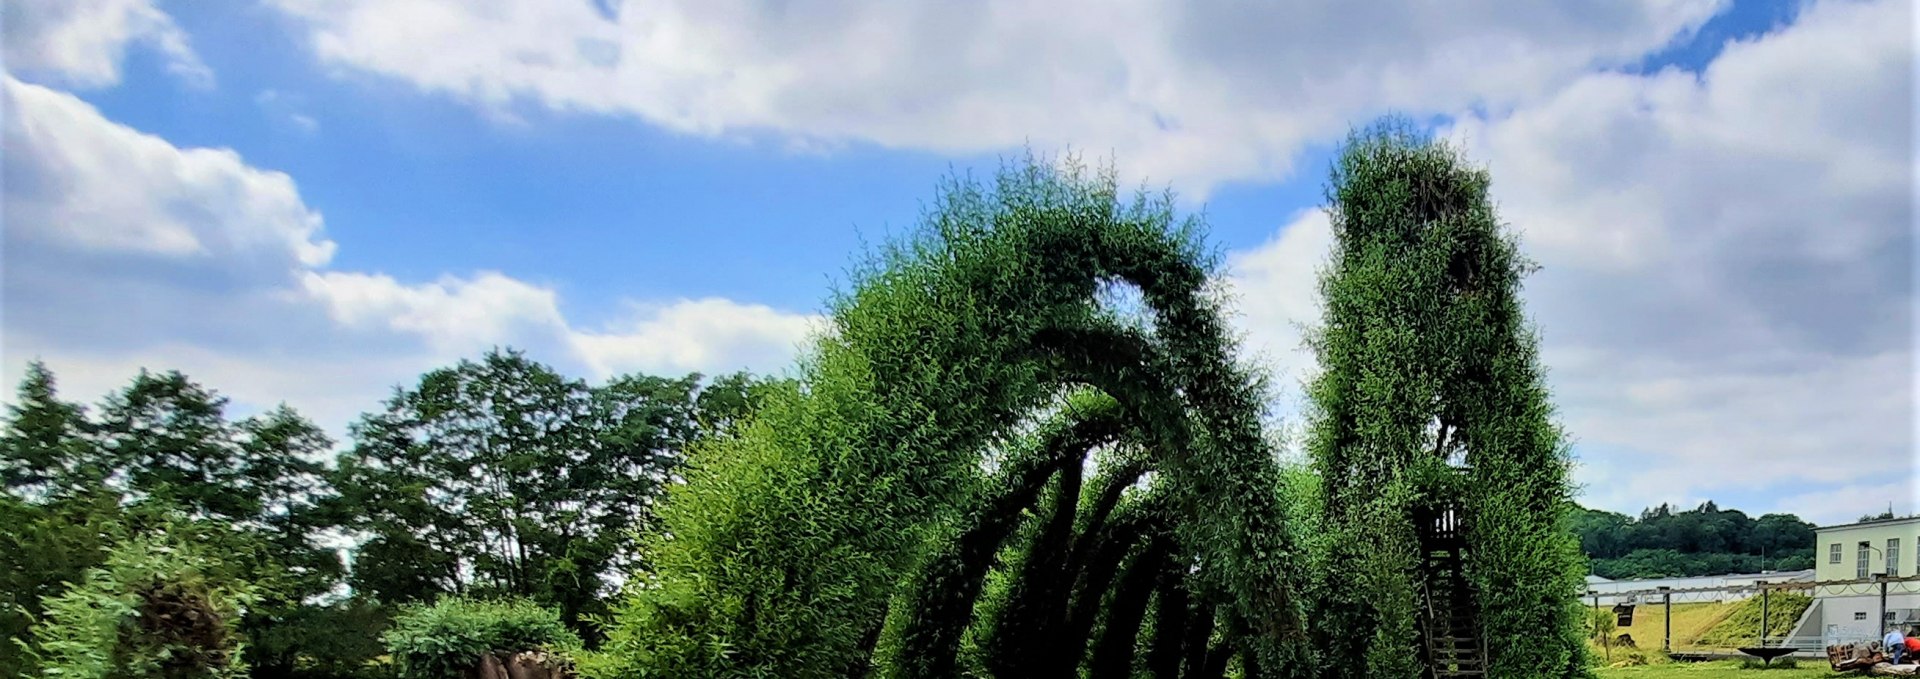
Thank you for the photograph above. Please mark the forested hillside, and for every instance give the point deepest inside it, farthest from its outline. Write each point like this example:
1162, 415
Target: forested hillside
1705, 540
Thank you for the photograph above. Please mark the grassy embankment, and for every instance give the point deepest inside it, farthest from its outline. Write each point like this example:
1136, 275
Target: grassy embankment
1714, 626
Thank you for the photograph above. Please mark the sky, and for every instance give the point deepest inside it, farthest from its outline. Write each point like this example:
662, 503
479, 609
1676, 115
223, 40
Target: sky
314, 201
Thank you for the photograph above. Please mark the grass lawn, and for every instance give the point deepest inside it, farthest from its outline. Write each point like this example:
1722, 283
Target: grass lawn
1719, 670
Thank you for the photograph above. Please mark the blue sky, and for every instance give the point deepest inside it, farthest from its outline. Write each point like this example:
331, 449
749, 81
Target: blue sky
358, 191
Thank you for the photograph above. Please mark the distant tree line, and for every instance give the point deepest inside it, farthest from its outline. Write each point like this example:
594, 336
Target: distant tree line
491, 477
1705, 540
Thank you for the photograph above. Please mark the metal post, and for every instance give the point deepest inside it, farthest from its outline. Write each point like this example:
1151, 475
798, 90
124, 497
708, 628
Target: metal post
1763, 613
1593, 621
1606, 640
1666, 604
1883, 603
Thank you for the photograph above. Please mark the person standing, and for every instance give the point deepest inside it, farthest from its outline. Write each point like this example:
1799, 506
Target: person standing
1896, 645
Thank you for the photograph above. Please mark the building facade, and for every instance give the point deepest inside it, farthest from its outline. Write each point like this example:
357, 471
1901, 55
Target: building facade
1855, 552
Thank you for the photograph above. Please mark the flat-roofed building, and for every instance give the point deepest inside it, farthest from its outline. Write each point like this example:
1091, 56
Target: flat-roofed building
1862, 551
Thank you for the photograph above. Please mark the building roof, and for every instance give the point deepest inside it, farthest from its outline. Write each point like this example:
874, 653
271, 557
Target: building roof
1877, 523
1604, 586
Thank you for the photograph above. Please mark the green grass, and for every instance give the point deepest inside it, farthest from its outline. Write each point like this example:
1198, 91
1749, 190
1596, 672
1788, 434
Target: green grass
1743, 625
1808, 669
1690, 622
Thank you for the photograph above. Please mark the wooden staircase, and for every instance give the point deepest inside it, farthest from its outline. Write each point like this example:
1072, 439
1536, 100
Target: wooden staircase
1450, 629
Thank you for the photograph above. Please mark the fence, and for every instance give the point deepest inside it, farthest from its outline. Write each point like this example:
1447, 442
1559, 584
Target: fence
1722, 619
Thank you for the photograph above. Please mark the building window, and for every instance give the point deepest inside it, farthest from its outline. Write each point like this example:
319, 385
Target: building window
1860, 561
1859, 615
1893, 557
1833, 553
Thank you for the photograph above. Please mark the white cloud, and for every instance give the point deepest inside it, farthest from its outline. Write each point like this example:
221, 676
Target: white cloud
1274, 290
1846, 504
1726, 294
80, 184
452, 315
123, 250
1193, 93
704, 334
1728, 257
81, 42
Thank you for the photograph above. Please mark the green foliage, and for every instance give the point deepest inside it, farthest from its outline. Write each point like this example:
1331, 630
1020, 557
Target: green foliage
1427, 361
924, 632
339, 640
779, 555
1742, 626
447, 638
1601, 623
1706, 540
500, 476
1666, 563
42, 549
155, 609
45, 451
162, 456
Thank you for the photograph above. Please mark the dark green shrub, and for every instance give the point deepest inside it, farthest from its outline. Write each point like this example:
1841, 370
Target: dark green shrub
448, 637
338, 641
154, 609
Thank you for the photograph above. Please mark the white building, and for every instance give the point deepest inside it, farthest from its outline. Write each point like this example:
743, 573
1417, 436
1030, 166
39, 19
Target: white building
1611, 592
1862, 551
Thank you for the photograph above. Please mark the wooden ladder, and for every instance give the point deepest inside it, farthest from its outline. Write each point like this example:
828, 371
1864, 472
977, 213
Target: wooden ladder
1450, 630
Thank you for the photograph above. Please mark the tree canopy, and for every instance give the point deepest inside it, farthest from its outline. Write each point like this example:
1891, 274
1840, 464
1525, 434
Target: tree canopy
162, 459
1706, 540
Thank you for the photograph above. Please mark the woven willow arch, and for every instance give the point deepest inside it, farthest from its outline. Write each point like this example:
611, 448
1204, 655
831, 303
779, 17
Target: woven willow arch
779, 555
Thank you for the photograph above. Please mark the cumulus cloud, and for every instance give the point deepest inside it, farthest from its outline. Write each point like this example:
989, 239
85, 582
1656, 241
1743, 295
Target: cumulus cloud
1192, 93
1728, 257
698, 334
86, 184
123, 250
1274, 290
80, 43
1725, 300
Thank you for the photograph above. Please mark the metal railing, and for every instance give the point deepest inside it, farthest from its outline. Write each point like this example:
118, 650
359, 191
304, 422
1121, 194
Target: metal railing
1847, 610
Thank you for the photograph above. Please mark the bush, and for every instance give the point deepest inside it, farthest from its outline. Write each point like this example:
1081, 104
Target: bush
153, 610
338, 641
1600, 624
448, 637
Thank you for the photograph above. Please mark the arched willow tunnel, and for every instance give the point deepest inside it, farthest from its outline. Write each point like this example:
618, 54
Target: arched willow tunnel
989, 469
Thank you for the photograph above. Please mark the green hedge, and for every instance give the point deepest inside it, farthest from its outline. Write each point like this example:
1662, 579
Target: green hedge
448, 637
